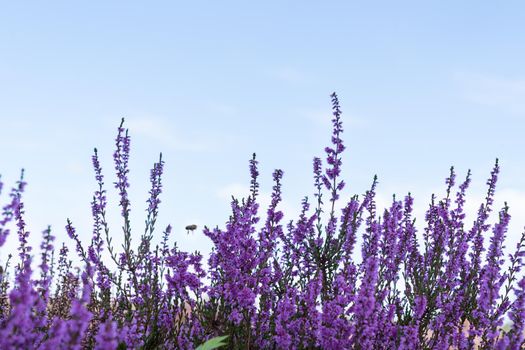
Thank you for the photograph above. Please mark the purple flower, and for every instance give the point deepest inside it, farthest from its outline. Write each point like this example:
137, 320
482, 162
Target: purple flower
77, 325
71, 232
121, 160
517, 316
19, 330
107, 336
8, 211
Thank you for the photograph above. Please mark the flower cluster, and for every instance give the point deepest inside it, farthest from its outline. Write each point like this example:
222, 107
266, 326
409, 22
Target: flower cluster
271, 284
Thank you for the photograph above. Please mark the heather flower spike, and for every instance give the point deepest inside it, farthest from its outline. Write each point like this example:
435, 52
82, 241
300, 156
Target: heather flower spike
8, 211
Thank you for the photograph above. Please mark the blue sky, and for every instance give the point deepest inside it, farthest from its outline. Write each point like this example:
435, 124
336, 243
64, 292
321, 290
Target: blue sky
423, 85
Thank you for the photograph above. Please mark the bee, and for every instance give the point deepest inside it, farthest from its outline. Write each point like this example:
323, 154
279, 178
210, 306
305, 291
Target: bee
191, 228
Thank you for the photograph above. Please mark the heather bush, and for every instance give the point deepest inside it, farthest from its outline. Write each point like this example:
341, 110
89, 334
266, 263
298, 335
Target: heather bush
271, 284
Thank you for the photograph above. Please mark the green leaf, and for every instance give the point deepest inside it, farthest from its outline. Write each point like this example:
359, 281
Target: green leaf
213, 343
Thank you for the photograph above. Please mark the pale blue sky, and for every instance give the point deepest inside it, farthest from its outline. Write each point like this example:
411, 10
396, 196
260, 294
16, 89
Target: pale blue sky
423, 85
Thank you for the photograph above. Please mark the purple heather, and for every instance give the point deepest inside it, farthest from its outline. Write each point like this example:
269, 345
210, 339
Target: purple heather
271, 281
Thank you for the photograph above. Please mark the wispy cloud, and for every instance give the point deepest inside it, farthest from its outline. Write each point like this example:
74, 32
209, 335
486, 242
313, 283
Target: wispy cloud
503, 93
165, 133
289, 75
76, 167
236, 190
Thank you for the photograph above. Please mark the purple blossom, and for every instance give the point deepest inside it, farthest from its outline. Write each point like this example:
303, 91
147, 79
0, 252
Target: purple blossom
107, 336
71, 232
517, 316
8, 211
121, 159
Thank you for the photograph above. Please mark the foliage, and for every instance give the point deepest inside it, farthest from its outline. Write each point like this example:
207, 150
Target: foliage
213, 343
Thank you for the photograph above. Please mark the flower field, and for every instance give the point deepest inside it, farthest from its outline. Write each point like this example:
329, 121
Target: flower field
270, 284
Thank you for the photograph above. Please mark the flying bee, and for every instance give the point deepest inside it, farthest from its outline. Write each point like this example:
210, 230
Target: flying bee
191, 228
